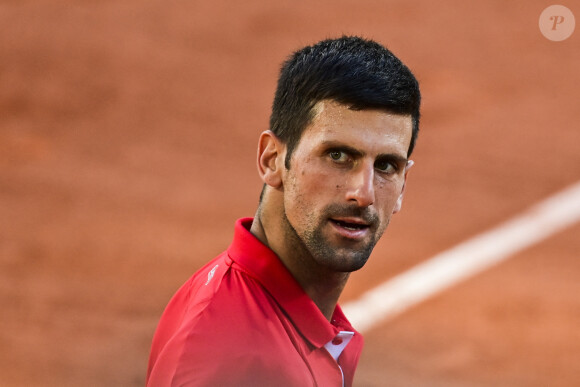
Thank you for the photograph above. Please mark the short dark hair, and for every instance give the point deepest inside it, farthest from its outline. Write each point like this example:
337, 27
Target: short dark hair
350, 70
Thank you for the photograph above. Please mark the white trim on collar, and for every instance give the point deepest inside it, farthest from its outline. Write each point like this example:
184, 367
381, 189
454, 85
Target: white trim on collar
337, 345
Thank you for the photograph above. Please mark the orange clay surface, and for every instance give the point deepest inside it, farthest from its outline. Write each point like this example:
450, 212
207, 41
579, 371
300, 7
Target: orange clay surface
128, 134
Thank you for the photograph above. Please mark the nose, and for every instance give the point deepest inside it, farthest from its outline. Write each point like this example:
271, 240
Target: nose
361, 187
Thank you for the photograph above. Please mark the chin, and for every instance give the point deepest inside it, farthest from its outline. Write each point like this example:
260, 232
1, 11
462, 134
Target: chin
345, 263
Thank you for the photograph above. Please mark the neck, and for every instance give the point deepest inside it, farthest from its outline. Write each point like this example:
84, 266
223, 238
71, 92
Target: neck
322, 285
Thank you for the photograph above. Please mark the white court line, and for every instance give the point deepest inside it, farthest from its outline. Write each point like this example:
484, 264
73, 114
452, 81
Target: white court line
465, 260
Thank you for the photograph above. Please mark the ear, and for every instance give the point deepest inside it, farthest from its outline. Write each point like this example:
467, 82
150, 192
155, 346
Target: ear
271, 153
399, 203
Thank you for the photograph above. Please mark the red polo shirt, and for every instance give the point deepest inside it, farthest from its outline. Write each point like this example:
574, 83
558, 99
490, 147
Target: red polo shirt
243, 320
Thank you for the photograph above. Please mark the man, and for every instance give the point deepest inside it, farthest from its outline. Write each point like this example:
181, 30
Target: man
334, 164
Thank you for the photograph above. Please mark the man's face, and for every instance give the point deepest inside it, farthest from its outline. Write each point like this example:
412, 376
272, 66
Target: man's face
345, 181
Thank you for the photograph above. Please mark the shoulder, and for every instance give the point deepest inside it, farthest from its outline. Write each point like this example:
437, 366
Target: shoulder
215, 291
220, 317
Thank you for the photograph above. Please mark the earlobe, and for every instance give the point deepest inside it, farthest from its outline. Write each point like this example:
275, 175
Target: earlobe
270, 159
399, 203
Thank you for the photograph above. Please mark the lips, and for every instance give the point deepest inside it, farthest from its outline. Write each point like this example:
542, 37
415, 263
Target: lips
351, 228
351, 225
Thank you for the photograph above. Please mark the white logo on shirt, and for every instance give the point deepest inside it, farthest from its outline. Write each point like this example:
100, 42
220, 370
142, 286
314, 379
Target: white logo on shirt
211, 274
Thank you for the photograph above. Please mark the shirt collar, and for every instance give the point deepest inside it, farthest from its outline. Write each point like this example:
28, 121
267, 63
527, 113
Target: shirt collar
264, 265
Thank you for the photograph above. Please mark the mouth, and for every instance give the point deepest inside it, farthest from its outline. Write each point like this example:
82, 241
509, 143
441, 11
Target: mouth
351, 228
350, 225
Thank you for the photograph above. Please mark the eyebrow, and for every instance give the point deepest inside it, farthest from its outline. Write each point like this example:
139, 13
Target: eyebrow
358, 153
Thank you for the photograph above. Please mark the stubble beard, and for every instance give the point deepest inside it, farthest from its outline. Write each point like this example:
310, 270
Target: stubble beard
312, 244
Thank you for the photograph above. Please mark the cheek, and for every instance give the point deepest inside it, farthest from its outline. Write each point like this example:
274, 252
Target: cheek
306, 193
299, 190
387, 196
311, 181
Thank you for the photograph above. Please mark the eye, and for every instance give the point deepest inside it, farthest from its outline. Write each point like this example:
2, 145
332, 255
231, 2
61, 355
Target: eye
338, 156
386, 166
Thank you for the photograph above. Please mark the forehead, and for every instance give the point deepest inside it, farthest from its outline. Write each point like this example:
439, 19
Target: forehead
368, 130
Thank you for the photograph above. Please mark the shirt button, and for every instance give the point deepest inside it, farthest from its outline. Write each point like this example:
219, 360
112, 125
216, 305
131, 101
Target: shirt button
337, 341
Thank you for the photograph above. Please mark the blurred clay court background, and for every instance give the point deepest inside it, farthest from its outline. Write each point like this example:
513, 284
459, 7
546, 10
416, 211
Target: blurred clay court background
128, 132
